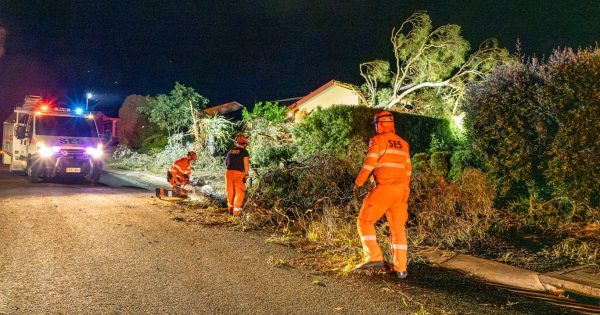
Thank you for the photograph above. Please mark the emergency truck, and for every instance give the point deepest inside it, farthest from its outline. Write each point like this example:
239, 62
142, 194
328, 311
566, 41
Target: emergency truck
45, 141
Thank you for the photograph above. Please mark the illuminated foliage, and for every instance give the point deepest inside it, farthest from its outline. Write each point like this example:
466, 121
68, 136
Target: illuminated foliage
427, 58
172, 112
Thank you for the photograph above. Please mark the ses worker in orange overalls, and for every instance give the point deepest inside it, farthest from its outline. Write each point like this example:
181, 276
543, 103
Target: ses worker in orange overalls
180, 172
389, 160
238, 166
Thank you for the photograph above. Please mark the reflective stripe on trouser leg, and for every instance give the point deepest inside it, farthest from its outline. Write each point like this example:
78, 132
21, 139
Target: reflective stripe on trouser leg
373, 208
397, 217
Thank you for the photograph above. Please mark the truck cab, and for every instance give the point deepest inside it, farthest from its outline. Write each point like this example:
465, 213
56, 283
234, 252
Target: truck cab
49, 141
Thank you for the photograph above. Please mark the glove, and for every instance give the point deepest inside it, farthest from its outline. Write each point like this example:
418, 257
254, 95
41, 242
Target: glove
188, 187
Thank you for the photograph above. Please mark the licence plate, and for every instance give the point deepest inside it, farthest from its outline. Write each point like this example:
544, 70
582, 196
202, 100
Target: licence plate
73, 170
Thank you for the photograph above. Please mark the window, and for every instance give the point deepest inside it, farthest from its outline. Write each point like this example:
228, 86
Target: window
65, 126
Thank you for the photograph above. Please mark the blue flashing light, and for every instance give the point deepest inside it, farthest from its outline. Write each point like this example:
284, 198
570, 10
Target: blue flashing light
78, 111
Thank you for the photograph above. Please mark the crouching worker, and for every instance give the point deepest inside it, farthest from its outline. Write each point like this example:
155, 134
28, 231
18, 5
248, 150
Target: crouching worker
179, 175
238, 165
389, 160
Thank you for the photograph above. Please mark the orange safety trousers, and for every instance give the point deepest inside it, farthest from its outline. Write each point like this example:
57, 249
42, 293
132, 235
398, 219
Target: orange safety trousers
236, 190
391, 200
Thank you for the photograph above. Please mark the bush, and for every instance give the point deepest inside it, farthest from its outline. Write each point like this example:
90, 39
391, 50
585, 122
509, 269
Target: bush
154, 143
440, 163
510, 130
337, 128
270, 111
270, 137
419, 160
534, 124
572, 82
459, 161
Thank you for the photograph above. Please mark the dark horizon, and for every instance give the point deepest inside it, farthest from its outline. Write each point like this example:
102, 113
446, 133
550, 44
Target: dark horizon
243, 51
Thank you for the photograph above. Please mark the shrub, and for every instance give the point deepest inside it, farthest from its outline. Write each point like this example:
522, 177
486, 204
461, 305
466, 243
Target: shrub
510, 130
419, 160
459, 161
534, 124
154, 143
337, 128
270, 111
442, 142
440, 163
270, 137
572, 90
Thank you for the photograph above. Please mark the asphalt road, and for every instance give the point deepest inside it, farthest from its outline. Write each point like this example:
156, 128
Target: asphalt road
77, 249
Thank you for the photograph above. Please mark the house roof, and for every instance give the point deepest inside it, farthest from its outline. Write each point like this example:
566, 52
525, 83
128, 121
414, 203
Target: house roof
318, 91
224, 108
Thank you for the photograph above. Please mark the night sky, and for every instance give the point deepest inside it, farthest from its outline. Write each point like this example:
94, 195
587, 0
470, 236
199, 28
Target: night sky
243, 50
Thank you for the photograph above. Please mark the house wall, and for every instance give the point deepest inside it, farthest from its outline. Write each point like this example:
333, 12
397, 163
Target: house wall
334, 95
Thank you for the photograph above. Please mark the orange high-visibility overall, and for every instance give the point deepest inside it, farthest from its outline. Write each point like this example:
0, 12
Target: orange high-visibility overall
238, 164
179, 174
389, 160
236, 190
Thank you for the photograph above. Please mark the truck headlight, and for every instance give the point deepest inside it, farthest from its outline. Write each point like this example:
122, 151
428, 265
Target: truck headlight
44, 150
95, 153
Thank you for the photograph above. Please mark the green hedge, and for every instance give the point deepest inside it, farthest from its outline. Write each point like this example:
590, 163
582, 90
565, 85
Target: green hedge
336, 128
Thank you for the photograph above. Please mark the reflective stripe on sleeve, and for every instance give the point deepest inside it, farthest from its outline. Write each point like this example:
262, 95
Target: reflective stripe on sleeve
392, 165
368, 167
177, 167
368, 238
393, 151
372, 155
400, 246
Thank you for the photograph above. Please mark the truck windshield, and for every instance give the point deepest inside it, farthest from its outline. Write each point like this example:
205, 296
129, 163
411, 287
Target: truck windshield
65, 126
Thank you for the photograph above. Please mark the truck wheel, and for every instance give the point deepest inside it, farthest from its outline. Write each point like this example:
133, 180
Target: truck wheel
33, 172
95, 174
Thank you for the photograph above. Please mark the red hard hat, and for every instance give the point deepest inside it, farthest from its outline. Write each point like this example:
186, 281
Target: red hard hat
241, 140
383, 116
192, 155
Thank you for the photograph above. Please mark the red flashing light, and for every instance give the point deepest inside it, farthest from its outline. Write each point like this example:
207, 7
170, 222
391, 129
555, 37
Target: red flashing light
44, 108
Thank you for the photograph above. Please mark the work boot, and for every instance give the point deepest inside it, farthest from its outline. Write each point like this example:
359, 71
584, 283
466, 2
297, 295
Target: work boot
369, 265
401, 274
